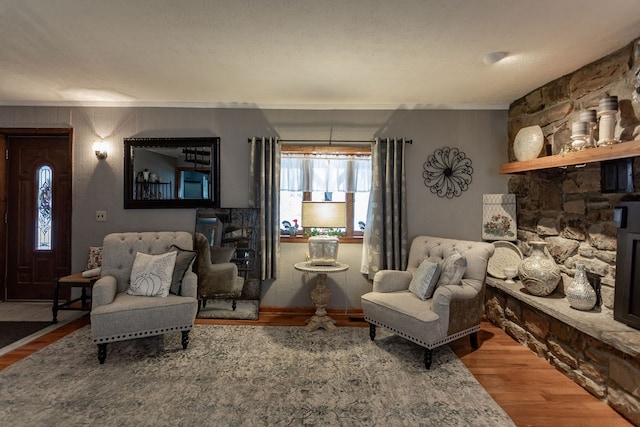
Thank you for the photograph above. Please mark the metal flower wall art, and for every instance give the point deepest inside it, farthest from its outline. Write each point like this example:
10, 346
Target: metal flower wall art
447, 172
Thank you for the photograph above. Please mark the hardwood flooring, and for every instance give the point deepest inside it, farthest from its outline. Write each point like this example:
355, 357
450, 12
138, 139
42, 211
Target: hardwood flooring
528, 388
34, 312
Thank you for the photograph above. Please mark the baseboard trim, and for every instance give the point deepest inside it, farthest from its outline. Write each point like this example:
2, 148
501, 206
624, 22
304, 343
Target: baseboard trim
346, 311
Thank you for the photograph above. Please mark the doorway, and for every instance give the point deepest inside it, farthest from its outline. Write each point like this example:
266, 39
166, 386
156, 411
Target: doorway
37, 198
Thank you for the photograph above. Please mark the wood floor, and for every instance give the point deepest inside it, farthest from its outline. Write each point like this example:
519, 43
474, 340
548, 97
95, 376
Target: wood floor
527, 387
530, 390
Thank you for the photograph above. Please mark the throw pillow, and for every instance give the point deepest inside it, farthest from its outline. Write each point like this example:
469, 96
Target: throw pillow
184, 261
453, 268
151, 274
425, 279
95, 257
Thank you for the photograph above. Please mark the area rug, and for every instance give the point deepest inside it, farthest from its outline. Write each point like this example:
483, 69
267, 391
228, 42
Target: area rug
11, 332
245, 376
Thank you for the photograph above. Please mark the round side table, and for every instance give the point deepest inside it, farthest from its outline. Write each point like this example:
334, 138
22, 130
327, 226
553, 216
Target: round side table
321, 295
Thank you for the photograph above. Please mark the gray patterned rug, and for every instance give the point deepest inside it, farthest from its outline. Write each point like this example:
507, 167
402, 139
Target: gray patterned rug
245, 376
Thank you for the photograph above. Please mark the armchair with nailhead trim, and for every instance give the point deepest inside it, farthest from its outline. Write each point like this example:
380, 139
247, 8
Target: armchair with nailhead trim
116, 315
454, 310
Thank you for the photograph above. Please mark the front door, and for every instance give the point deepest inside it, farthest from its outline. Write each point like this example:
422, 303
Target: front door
38, 213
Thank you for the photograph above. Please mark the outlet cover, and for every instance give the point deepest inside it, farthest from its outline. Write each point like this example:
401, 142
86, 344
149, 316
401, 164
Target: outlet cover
101, 216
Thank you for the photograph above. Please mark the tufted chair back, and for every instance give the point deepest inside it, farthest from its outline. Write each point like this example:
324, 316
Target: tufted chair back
119, 250
437, 248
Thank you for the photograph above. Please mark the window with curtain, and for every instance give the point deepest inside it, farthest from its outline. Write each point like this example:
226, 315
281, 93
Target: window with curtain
337, 174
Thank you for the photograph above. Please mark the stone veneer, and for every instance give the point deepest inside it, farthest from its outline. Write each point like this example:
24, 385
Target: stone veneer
557, 104
567, 209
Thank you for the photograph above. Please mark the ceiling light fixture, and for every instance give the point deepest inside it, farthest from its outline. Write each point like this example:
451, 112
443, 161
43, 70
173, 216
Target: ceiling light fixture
493, 57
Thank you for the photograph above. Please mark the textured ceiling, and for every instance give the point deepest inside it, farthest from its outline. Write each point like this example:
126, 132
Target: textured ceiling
299, 53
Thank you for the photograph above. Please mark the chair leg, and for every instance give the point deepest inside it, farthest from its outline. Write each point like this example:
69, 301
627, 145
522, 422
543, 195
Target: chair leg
428, 357
185, 339
372, 331
474, 340
102, 353
234, 305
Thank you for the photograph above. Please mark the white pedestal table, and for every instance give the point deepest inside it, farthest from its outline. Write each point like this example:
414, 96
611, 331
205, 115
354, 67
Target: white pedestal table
321, 295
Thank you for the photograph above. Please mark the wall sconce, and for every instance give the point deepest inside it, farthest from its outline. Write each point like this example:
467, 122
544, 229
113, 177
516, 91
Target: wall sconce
100, 147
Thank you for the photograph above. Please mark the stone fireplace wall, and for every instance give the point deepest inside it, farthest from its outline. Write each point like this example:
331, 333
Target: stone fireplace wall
566, 207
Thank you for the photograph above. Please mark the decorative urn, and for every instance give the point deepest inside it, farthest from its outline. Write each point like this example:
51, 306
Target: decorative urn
539, 273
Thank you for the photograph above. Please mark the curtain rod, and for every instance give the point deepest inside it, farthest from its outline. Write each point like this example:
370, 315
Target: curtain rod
331, 141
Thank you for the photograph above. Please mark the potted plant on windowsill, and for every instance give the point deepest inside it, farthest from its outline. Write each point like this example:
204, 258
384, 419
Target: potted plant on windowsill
330, 232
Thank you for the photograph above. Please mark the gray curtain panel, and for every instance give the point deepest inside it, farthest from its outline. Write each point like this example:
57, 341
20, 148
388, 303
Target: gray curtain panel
385, 236
264, 193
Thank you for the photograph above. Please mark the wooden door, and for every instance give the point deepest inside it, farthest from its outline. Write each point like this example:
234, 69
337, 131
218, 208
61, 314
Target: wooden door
39, 200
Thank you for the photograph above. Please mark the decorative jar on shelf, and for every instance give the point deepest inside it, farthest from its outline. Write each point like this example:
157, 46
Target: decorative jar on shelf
539, 273
580, 293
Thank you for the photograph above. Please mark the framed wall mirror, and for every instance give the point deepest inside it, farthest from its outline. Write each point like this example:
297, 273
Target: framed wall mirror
171, 172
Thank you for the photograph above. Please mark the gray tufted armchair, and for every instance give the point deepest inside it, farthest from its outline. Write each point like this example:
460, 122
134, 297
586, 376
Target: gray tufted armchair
452, 312
116, 315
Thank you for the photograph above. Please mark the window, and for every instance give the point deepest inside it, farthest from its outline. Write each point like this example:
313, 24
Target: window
44, 205
325, 173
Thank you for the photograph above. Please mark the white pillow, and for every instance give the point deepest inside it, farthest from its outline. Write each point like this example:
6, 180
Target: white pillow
453, 268
425, 279
151, 274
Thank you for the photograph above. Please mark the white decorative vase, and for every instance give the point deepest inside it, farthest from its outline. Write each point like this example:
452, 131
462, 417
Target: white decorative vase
528, 143
580, 293
607, 126
539, 273
607, 114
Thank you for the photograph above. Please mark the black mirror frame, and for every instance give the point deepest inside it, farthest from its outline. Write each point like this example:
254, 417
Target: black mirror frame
129, 174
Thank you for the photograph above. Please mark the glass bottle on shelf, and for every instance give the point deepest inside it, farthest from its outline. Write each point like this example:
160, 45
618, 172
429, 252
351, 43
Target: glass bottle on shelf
580, 293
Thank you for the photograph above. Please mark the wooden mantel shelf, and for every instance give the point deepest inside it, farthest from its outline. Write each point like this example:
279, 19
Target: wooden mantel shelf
598, 154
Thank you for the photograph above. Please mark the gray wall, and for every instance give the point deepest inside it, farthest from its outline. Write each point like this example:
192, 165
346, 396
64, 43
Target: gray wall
98, 185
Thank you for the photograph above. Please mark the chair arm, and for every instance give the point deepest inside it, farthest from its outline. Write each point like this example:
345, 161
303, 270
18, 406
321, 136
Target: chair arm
217, 278
391, 280
189, 287
445, 295
103, 291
